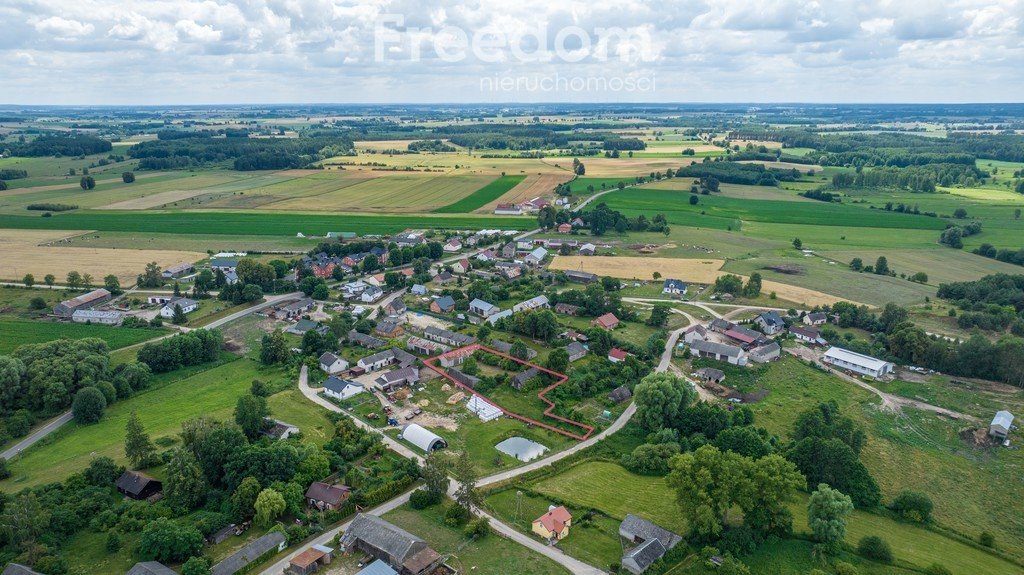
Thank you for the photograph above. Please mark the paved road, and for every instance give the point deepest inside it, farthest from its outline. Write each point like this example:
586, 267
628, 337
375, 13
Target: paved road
30, 440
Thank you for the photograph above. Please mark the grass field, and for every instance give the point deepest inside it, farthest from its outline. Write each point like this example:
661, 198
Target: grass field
16, 332
534, 185
485, 195
176, 397
41, 252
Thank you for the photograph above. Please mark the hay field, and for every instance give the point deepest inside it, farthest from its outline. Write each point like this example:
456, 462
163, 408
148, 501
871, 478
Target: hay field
156, 200
394, 193
381, 145
531, 187
703, 271
456, 163
631, 167
39, 252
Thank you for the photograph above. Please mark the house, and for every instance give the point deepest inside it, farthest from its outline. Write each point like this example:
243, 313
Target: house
719, 351
389, 328
253, 552
447, 337
652, 542
1001, 424
280, 430
745, 336
567, 309
588, 249
719, 325
386, 358
443, 304
462, 266
486, 256
325, 496
520, 379
508, 251
493, 320
607, 321
640, 558
816, 318
67, 308
533, 303
553, 525
508, 210
310, 560
177, 270
420, 345
303, 325
709, 374
342, 388
808, 335
423, 438
510, 271
674, 287
392, 380
230, 277
418, 289
409, 240
456, 356
771, 322
295, 309
615, 355
142, 568
536, 257
453, 245
578, 222
138, 485
565, 228
858, 363
396, 308
576, 350
371, 294
352, 289
223, 264
364, 340
506, 348
694, 333
407, 553
483, 308
443, 278
332, 364
765, 353
97, 317
187, 306
573, 335
620, 394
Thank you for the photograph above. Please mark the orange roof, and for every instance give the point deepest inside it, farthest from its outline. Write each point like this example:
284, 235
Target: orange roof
607, 320
617, 353
555, 519
307, 557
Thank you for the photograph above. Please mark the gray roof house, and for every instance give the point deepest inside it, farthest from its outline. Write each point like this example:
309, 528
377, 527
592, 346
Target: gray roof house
447, 337
391, 544
149, 568
238, 561
637, 529
765, 353
719, 351
483, 308
520, 379
640, 558
576, 350
19, 569
771, 322
399, 377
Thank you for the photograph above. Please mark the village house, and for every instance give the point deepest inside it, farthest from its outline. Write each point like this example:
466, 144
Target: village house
652, 542
447, 337
295, 309
483, 308
858, 363
371, 294
342, 388
140, 568
138, 485
567, 309
508, 251
615, 355
418, 289
389, 328
352, 289
607, 321
462, 266
67, 308
97, 317
223, 264
332, 364
674, 287
771, 322
766, 352
177, 270
816, 318
392, 380
808, 335
365, 340
553, 525
509, 270
325, 496
694, 333
565, 228
719, 351
620, 394
451, 246
456, 356
409, 240
536, 257
405, 552
537, 302
395, 308
576, 351
443, 304
1001, 425
303, 325
240, 561
443, 278
588, 249
486, 256
385, 358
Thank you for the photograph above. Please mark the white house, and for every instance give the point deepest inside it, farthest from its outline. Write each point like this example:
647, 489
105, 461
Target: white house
533, 303
342, 388
536, 256
332, 364
771, 322
858, 363
452, 246
816, 318
483, 308
371, 294
418, 289
1001, 423
674, 287
187, 306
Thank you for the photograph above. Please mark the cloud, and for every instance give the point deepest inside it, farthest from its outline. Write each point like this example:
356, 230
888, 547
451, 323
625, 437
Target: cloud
64, 29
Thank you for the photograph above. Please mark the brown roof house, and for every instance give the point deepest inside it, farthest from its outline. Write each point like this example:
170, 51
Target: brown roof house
606, 321
325, 496
405, 552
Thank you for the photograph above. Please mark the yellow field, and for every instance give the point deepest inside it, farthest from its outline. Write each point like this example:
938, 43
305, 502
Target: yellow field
743, 143
381, 145
702, 271
531, 187
629, 167
401, 192
446, 162
39, 252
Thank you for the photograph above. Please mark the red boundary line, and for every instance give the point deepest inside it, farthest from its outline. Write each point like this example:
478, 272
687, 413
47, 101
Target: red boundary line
561, 377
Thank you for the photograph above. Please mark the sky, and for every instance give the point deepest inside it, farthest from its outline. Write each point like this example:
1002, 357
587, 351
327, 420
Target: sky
154, 52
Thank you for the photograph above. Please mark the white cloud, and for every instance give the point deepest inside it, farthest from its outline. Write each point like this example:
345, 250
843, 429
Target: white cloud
64, 28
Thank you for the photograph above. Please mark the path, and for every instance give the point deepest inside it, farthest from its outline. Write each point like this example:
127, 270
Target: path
48, 428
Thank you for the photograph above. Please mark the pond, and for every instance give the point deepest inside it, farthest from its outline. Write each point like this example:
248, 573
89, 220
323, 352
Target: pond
521, 448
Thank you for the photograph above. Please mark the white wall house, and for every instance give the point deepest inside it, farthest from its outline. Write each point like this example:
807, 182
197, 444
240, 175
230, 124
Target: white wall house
858, 363
187, 306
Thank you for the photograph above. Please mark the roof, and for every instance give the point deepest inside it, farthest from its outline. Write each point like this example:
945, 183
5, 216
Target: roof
86, 298
538, 254
96, 314
147, 568
716, 348
865, 361
620, 394
481, 305
19, 569
387, 326
645, 554
133, 482
676, 284
617, 353
555, 519
1003, 418
710, 373
442, 333
746, 335
304, 325
378, 567
575, 348
526, 375
328, 358
418, 289
532, 303
336, 384
332, 494
772, 317
445, 302
767, 349
806, 331
647, 530
421, 560
365, 339
240, 559
420, 436
818, 316
719, 323
607, 319
393, 540
182, 301
223, 263
403, 374
506, 347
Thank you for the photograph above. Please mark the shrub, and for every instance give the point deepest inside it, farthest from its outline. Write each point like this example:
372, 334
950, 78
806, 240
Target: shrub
478, 528
88, 405
113, 542
874, 547
4, 471
455, 515
937, 569
987, 539
912, 506
844, 568
421, 499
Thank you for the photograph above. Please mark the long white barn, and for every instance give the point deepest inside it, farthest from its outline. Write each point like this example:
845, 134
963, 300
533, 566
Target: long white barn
856, 362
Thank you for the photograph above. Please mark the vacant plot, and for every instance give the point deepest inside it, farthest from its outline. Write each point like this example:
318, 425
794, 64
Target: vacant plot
398, 192
942, 264
534, 185
382, 145
483, 196
16, 332
41, 252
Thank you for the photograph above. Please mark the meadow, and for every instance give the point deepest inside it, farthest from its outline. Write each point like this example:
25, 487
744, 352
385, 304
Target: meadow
485, 195
17, 332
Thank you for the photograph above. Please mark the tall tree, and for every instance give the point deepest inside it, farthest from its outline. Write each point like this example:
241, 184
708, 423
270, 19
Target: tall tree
466, 494
250, 413
435, 474
269, 506
137, 446
708, 482
826, 516
659, 398
274, 348
185, 486
244, 498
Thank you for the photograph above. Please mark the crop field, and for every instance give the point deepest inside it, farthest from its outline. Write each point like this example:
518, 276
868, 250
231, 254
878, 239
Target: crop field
40, 252
942, 264
483, 196
461, 162
532, 186
390, 193
16, 332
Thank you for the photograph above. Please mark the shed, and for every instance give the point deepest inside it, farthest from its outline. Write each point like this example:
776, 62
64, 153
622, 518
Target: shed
422, 437
386, 542
641, 557
138, 485
1001, 423
620, 394
378, 567
240, 560
148, 568
636, 529
710, 374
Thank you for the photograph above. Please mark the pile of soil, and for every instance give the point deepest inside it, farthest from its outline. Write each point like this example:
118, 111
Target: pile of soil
788, 269
975, 437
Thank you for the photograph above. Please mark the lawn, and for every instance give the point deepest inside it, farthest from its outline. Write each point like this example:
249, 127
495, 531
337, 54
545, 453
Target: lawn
492, 555
485, 195
175, 398
16, 332
292, 407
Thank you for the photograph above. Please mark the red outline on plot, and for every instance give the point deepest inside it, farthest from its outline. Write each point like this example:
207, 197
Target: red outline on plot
561, 378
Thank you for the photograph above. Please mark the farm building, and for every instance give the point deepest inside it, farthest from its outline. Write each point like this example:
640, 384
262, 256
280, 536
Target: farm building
674, 287
342, 388
620, 394
409, 554
506, 347
294, 309
508, 210
364, 340
606, 321
411, 239
97, 317
719, 351
310, 560
535, 257
240, 561
456, 356
392, 380
177, 270
652, 542
537, 302
709, 374
447, 337
816, 318
453, 245
89, 300
280, 430
470, 381
303, 325
483, 308
580, 277
808, 335
389, 328
576, 350
422, 437
187, 306
1001, 423
567, 309
386, 358
493, 320
553, 525
765, 353
771, 322
332, 364
588, 249
143, 568
858, 363
138, 485
425, 347
377, 567
520, 379
565, 228
744, 335
223, 264
640, 558
326, 496
719, 325
694, 333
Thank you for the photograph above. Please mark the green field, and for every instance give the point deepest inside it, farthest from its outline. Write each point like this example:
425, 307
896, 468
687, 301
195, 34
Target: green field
482, 197
15, 332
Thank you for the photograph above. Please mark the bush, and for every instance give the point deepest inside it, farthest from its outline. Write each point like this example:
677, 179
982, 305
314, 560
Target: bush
4, 471
844, 568
937, 569
912, 506
102, 472
455, 515
113, 542
421, 499
478, 528
987, 539
108, 391
874, 547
